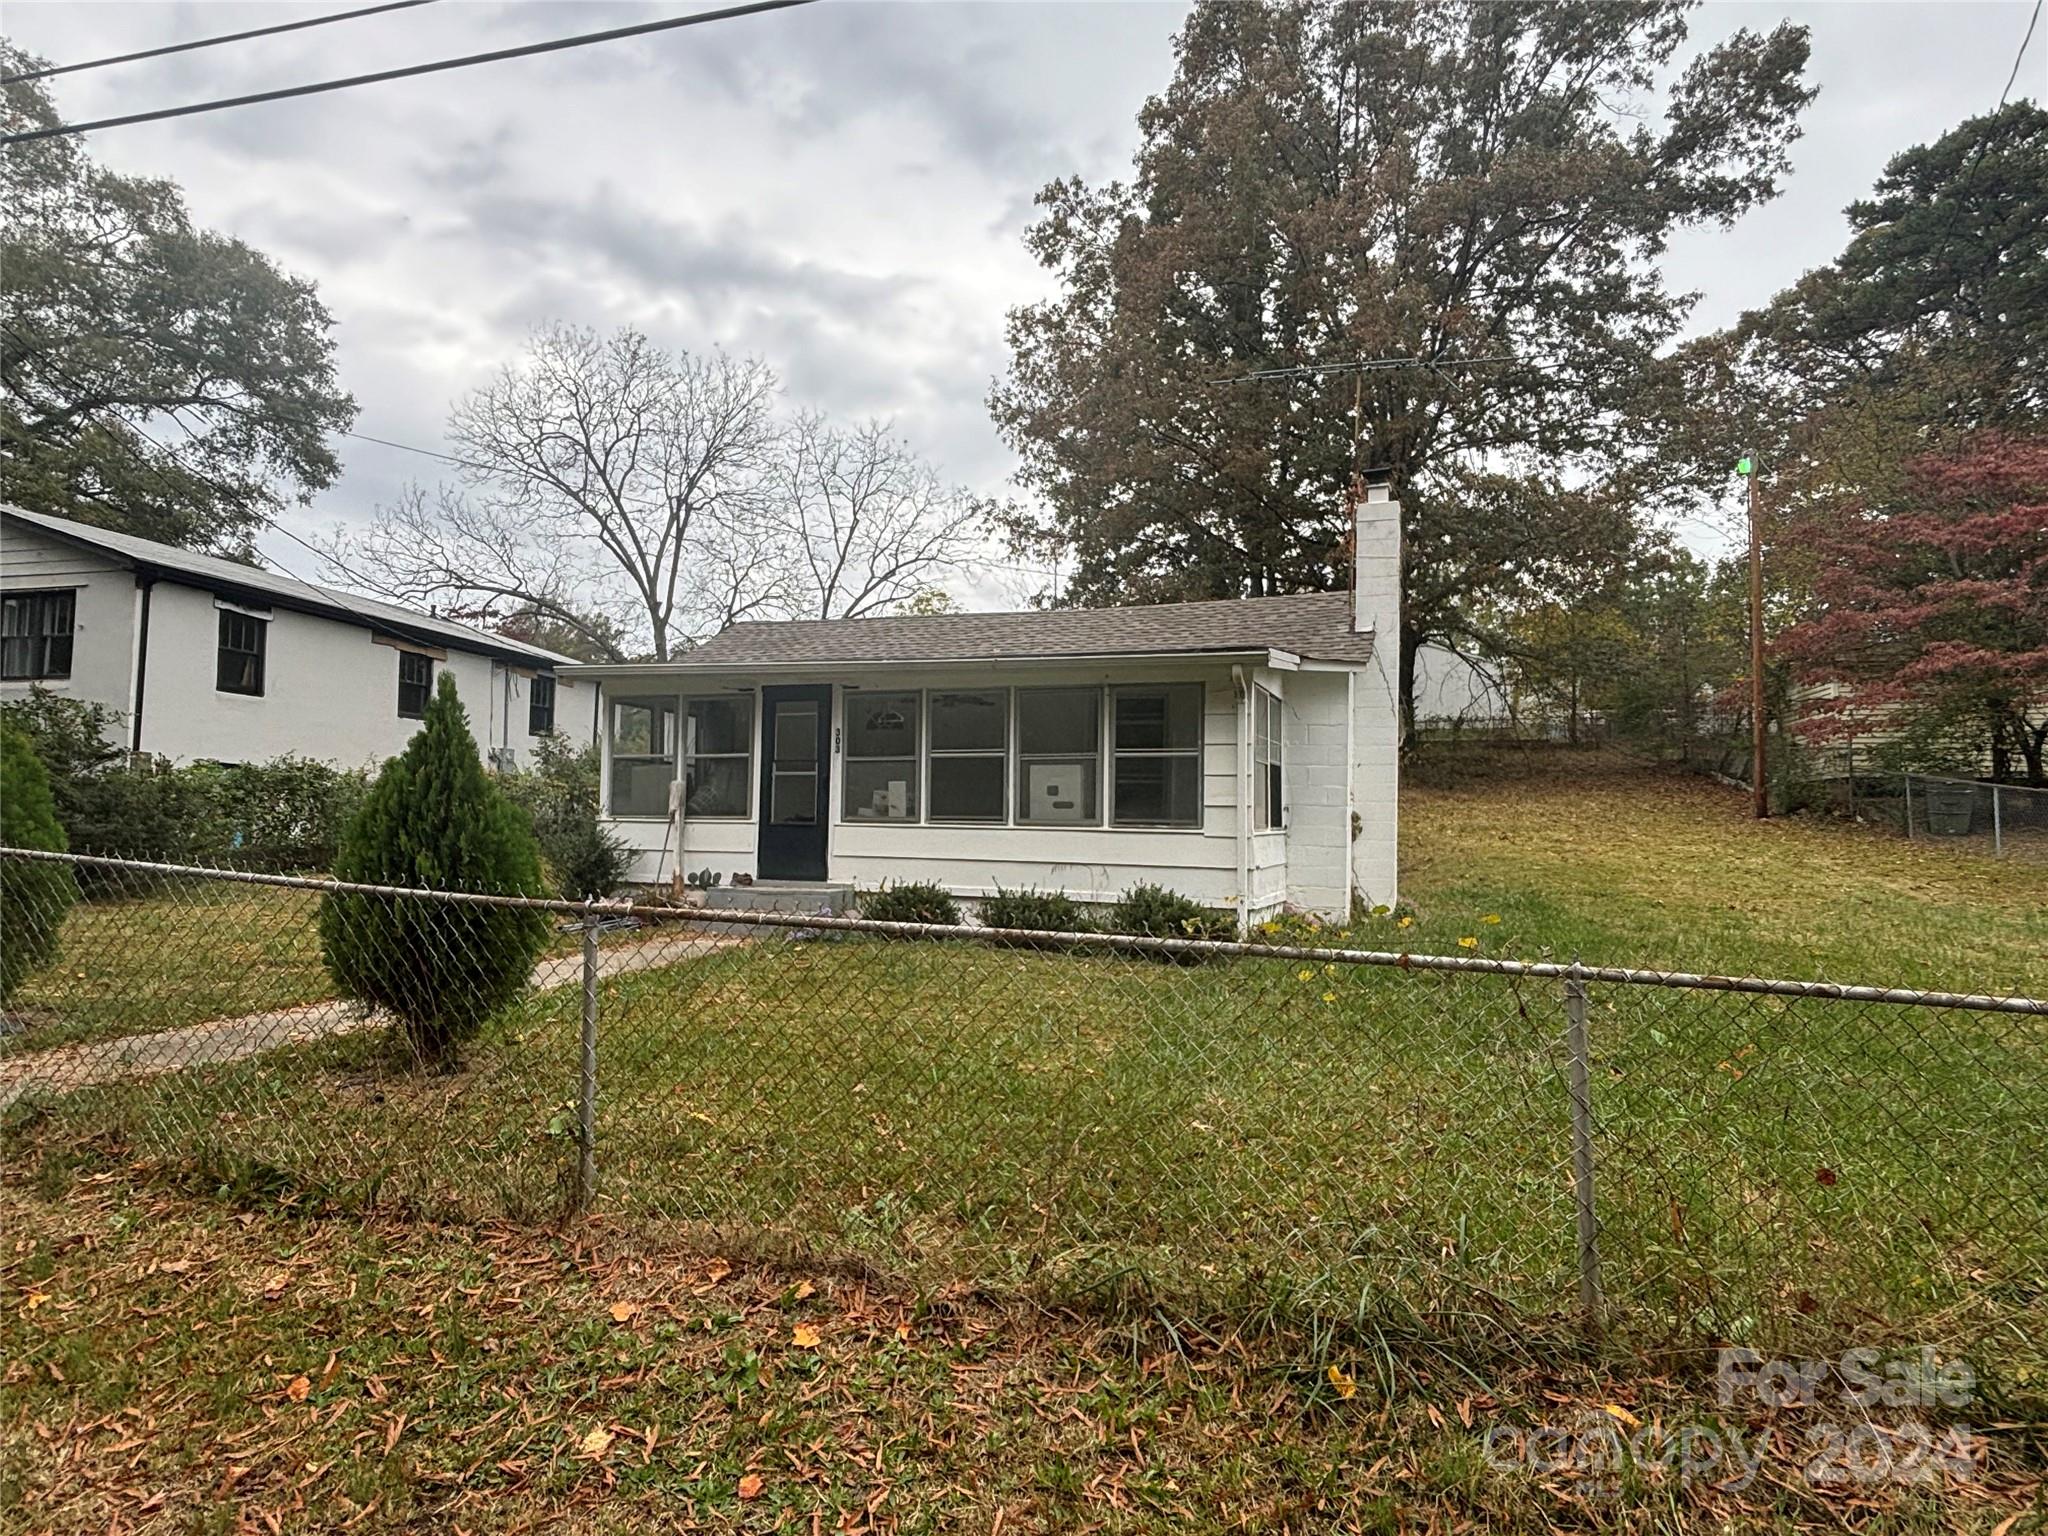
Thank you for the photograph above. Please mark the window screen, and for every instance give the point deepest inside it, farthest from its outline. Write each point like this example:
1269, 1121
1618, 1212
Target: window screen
970, 743
35, 634
881, 756
415, 683
240, 665
1156, 778
1059, 755
540, 706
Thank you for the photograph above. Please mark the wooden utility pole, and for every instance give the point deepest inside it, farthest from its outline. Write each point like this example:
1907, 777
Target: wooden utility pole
1759, 782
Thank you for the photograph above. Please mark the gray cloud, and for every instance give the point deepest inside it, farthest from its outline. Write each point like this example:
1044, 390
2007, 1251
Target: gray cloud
839, 189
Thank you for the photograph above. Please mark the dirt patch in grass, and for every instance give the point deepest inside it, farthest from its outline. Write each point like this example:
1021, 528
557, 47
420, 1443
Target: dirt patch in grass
171, 1364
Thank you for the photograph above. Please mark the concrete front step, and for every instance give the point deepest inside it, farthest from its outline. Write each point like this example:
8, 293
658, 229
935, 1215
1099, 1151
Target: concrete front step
810, 897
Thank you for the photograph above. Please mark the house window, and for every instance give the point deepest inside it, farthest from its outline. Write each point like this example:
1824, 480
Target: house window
239, 668
35, 634
1269, 803
643, 742
415, 684
1156, 770
540, 706
1059, 755
881, 756
970, 751
719, 776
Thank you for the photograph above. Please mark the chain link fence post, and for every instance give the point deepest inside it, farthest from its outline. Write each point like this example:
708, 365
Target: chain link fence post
1588, 1221
586, 1088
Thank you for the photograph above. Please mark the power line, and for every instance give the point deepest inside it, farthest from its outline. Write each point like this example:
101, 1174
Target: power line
2032, 21
407, 72
209, 42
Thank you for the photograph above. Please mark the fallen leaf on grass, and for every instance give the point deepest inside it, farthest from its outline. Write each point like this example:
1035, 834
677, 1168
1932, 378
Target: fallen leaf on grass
299, 1390
597, 1441
1621, 1413
804, 1336
33, 1300
750, 1486
1346, 1387
804, 1290
624, 1311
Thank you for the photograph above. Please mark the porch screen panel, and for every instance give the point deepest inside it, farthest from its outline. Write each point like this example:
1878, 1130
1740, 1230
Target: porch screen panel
881, 756
643, 756
1157, 740
970, 746
793, 780
720, 773
1059, 756
1269, 803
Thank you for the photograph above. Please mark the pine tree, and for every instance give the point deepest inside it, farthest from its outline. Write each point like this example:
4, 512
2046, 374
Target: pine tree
435, 821
33, 896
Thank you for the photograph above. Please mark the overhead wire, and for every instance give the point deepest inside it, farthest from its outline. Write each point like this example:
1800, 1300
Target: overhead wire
49, 71
405, 72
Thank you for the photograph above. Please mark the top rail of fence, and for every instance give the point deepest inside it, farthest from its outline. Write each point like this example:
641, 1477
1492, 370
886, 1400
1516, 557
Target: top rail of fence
1955, 778
1756, 986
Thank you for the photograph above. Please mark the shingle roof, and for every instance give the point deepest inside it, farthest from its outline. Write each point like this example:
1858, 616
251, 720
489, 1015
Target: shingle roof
1310, 624
218, 574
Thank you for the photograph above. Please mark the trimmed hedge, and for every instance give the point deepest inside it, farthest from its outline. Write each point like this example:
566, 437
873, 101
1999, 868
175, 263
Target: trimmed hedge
1155, 912
1040, 911
910, 902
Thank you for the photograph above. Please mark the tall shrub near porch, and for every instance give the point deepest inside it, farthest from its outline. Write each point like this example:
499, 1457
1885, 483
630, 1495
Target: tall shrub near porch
435, 821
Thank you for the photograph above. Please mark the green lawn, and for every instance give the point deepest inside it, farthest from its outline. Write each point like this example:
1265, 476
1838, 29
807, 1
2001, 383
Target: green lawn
184, 952
1588, 854
1133, 1214
1381, 1145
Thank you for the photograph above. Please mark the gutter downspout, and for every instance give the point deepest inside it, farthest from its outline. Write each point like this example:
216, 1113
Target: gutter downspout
148, 586
1241, 686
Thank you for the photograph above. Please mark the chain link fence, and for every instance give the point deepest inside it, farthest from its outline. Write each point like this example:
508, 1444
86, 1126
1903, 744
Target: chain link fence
2001, 821
1456, 1143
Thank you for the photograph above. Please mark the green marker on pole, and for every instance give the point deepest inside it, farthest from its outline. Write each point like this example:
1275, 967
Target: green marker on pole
1745, 465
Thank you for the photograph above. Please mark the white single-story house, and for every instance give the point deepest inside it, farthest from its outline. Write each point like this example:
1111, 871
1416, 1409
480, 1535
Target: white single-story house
207, 659
1243, 753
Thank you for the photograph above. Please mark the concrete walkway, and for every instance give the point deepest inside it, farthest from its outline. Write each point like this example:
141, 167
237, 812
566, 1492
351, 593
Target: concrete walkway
221, 1040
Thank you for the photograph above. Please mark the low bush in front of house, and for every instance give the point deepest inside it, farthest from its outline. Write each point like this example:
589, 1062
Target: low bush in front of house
1038, 911
286, 814
559, 793
1152, 911
914, 901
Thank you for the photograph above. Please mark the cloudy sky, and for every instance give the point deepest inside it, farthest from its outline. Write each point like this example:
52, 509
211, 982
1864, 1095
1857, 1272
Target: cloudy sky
840, 189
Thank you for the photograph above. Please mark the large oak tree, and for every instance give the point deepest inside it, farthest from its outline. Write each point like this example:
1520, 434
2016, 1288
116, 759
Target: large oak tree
1445, 180
155, 378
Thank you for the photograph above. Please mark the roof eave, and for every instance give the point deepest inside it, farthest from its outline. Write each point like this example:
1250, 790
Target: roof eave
601, 670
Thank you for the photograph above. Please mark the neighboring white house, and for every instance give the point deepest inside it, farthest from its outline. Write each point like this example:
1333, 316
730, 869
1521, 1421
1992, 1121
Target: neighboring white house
209, 659
1243, 753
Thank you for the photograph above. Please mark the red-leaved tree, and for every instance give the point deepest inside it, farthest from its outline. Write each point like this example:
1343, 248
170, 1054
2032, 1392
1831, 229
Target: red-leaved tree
1933, 615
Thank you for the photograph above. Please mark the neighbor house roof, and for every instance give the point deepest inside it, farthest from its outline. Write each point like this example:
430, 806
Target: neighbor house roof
1315, 625
249, 583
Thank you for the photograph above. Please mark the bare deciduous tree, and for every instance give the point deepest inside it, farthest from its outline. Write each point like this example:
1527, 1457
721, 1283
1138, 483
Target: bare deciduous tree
860, 523
640, 499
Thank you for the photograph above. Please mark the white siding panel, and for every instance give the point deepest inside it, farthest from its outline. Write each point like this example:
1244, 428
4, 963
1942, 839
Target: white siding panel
103, 633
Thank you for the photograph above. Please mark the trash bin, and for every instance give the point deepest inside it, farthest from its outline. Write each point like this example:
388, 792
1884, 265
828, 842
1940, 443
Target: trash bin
1949, 809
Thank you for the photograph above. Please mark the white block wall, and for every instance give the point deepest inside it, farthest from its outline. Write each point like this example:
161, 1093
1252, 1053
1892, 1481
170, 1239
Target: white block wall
1317, 769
